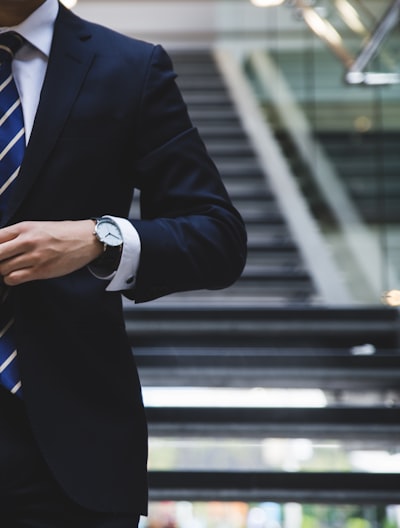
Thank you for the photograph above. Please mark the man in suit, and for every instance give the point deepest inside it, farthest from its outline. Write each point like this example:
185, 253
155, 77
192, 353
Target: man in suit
102, 117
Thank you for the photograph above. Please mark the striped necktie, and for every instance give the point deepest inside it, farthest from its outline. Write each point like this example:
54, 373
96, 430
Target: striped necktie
12, 148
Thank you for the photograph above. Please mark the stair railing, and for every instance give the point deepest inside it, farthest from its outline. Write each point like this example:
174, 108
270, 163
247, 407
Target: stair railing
318, 258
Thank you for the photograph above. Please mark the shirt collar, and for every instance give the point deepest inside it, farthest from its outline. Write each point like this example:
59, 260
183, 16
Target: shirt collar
38, 28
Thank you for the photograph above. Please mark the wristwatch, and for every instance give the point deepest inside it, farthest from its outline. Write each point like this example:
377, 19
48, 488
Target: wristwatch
108, 233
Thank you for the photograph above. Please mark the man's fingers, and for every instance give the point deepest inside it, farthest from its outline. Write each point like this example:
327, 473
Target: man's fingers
9, 233
18, 277
17, 262
12, 241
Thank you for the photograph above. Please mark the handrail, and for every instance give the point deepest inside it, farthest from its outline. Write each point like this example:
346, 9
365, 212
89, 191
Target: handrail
355, 74
328, 279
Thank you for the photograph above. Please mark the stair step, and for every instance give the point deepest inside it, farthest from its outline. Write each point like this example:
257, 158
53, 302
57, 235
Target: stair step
279, 486
228, 131
248, 189
334, 369
172, 324
205, 115
353, 422
229, 148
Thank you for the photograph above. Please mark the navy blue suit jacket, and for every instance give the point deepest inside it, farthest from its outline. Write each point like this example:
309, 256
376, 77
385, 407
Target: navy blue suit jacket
110, 120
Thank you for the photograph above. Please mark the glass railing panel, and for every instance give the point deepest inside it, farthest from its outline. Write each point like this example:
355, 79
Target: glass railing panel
357, 129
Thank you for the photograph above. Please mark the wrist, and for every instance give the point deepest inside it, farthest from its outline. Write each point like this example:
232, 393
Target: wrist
97, 248
109, 241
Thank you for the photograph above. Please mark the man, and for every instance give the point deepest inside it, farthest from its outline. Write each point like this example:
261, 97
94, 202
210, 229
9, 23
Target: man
102, 116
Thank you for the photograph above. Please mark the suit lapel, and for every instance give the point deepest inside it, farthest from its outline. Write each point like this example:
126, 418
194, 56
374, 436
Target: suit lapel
70, 59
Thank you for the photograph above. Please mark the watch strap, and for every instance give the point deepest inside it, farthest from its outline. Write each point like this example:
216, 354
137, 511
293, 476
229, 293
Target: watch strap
109, 260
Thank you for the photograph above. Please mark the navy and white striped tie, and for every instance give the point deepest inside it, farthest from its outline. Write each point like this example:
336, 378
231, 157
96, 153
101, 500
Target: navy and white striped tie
9, 374
12, 148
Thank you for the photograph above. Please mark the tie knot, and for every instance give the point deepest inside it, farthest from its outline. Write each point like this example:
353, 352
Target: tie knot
10, 43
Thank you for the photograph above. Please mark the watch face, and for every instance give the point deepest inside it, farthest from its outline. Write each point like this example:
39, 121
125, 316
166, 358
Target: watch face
109, 233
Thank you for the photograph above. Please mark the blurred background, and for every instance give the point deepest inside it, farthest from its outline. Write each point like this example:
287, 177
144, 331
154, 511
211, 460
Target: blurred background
275, 403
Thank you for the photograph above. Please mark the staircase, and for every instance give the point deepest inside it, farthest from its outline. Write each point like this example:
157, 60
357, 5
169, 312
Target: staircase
274, 272
265, 331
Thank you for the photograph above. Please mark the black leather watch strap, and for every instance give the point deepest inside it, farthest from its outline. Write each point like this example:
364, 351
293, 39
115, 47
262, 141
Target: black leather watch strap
109, 260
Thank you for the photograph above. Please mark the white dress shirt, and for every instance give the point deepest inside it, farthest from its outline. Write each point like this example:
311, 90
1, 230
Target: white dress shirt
29, 70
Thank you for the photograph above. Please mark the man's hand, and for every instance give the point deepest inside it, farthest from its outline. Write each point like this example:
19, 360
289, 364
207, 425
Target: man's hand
45, 250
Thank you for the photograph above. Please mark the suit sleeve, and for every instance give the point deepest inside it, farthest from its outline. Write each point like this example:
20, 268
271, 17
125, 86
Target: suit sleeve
191, 235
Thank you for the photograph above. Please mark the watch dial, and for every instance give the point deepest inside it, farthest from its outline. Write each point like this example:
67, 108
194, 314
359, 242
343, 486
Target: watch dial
109, 233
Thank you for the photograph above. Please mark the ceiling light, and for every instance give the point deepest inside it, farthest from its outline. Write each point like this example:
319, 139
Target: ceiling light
267, 3
350, 16
69, 3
